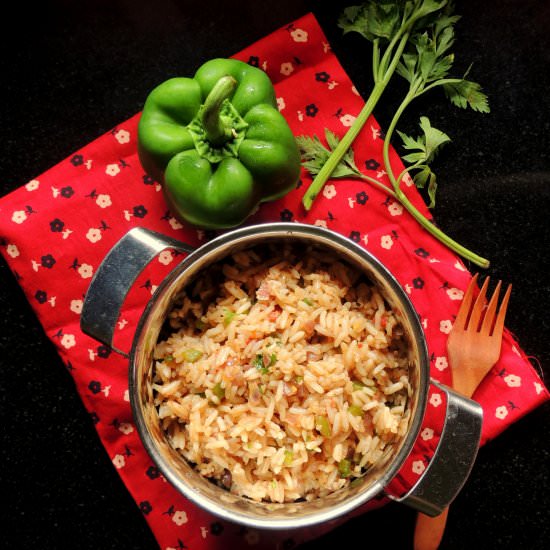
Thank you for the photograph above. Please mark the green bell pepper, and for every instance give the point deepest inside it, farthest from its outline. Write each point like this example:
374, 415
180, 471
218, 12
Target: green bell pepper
218, 144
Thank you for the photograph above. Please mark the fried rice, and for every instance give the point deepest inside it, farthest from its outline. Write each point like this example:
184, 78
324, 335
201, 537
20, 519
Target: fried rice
282, 374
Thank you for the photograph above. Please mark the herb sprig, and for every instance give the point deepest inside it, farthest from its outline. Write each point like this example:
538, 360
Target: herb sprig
413, 39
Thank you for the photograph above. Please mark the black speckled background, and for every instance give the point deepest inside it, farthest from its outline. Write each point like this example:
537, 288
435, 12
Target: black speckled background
70, 71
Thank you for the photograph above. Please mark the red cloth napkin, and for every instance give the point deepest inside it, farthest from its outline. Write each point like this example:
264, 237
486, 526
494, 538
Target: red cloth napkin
56, 229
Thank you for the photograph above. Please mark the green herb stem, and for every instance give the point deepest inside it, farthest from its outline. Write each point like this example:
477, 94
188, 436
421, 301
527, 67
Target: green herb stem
345, 143
421, 219
342, 147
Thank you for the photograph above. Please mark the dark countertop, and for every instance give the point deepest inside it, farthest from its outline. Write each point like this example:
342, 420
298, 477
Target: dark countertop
73, 70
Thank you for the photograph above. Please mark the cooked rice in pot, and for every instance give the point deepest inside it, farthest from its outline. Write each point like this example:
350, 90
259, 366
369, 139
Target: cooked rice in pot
284, 375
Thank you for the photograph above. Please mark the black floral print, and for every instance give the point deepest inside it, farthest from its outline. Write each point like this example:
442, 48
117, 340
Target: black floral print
322, 76
254, 60
47, 261
152, 472
140, 211
41, 296
286, 215
355, 236
57, 225
145, 507
422, 252
77, 160
372, 164
94, 386
311, 109
148, 180
67, 192
361, 198
418, 283
103, 351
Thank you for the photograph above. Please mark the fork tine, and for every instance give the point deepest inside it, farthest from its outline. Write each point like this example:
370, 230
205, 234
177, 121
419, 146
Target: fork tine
464, 310
499, 323
489, 317
473, 324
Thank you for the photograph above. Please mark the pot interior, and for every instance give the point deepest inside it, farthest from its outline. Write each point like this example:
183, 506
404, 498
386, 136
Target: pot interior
172, 464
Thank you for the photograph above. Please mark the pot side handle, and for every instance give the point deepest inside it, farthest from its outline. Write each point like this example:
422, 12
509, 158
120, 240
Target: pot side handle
114, 278
453, 459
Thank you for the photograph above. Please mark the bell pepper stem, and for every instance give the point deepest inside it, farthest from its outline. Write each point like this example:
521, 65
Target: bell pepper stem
217, 132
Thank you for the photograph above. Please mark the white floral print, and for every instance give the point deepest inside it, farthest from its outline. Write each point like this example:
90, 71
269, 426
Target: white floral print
441, 363
93, 235
180, 517
85, 271
165, 257
68, 341
386, 241
445, 326
329, 191
321, 223
513, 381
347, 120
427, 434
407, 180
119, 461
103, 201
174, 224
418, 467
76, 306
455, 293
501, 412
395, 209
33, 185
19, 216
112, 169
299, 35
435, 400
126, 428
281, 103
122, 136
287, 68
12, 250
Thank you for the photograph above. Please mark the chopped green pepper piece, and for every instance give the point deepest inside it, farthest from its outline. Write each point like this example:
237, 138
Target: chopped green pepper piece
191, 355
355, 410
322, 425
357, 481
260, 362
218, 391
289, 457
308, 302
357, 385
228, 317
344, 467
200, 325
168, 358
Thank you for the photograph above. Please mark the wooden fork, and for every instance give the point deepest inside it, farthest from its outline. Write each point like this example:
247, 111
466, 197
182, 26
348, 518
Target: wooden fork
473, 348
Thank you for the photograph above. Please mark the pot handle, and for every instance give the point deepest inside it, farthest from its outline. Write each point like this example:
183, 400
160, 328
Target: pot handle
114, 279
453, 459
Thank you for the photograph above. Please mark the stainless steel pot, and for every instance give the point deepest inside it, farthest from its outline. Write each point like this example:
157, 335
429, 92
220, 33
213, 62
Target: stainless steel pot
439, 483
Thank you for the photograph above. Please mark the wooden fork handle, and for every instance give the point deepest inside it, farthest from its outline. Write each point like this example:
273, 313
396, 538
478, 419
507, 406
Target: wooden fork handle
429, 531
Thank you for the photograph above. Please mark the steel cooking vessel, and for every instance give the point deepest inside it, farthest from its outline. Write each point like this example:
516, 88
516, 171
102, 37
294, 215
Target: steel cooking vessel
459, 441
